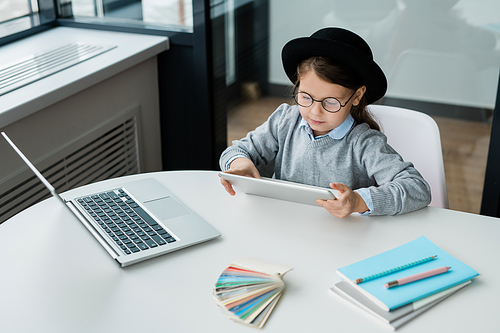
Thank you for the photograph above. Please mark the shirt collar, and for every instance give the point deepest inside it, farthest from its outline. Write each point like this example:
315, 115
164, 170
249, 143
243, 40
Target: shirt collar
337, 133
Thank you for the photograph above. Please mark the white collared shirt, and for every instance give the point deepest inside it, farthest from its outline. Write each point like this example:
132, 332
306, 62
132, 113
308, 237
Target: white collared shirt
337, 133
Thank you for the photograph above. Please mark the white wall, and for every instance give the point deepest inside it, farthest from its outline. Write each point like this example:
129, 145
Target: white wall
465, 36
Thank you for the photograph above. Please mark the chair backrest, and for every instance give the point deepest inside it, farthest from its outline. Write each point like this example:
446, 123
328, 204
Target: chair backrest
415, 136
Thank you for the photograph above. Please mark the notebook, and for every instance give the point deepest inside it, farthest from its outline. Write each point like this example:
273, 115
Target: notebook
402, 256
398, 317
136, 220
280, 189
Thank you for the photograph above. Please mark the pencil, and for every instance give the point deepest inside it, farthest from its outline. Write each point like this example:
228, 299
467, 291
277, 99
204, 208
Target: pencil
395, 269
417, 277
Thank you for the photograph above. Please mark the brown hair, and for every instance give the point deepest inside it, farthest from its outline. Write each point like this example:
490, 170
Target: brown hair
343, 75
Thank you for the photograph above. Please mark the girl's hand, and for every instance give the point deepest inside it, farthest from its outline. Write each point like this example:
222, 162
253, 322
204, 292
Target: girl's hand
240, 166
347, 202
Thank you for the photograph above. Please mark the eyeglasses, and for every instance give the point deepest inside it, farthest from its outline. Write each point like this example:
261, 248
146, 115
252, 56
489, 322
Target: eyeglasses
330, 104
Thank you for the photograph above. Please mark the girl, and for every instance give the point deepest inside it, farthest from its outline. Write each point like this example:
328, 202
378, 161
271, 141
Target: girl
329, 138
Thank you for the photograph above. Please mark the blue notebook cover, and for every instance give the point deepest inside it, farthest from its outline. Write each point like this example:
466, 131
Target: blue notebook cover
417, 249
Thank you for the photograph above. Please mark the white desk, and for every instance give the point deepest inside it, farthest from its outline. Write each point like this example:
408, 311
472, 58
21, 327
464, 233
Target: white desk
52, 284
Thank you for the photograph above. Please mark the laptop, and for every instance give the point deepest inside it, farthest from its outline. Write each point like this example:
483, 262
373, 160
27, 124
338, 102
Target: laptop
280, 189
136, 220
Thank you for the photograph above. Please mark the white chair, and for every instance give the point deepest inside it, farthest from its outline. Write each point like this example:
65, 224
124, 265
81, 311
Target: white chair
415, 136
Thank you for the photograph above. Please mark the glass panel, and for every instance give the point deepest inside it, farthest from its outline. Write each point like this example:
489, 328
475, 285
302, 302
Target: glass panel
86, 8
440, 57
10, 9
155, 12
22, 15
451, 41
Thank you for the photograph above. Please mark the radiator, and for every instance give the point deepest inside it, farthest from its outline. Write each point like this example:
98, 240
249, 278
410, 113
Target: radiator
108, 151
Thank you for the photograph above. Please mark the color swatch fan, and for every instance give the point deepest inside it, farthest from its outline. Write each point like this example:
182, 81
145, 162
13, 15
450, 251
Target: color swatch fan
248, 290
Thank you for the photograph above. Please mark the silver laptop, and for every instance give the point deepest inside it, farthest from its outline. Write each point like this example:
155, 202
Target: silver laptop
136, 220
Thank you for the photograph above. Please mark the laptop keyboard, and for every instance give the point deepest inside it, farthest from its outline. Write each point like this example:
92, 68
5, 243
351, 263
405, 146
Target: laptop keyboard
125, 222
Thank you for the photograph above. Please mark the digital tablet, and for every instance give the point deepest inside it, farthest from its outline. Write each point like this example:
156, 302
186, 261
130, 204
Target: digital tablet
280, 189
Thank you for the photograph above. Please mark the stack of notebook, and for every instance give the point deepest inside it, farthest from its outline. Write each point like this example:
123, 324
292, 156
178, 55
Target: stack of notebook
248, 290
365, 282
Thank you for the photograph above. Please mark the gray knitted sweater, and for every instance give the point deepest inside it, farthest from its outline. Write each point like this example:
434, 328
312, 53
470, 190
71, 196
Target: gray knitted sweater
361, 159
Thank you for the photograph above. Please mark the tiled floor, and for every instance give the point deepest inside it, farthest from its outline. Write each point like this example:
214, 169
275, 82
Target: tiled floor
465, 149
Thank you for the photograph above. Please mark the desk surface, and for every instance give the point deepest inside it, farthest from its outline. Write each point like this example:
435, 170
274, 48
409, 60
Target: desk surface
52, 283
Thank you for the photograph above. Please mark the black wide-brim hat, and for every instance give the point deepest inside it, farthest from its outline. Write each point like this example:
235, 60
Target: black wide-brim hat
340, 45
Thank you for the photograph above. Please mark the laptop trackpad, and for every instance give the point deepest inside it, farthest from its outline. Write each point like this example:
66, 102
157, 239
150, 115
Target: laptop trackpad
165, 208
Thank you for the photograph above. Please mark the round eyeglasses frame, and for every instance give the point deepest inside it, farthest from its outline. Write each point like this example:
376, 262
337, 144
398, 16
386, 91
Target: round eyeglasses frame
322, 101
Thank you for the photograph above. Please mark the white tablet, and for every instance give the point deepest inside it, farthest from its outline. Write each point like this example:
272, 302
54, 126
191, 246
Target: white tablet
280, 189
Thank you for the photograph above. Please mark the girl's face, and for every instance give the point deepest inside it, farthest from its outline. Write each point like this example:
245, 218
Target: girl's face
320, 120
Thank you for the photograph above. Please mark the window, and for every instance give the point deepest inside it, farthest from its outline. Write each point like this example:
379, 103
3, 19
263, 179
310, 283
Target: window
175, 14
12, 9
23, 16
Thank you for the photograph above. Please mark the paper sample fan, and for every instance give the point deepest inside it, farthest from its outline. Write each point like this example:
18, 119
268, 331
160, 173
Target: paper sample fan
248, 290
